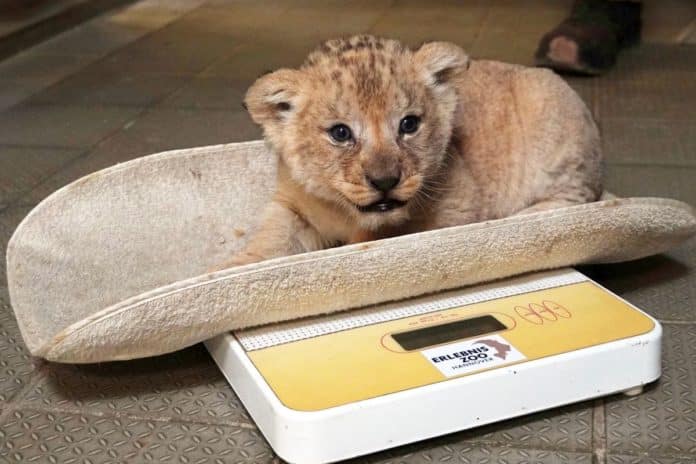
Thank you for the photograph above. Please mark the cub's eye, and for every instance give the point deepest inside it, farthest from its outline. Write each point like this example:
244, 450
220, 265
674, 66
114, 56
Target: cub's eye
409, 124
341, 133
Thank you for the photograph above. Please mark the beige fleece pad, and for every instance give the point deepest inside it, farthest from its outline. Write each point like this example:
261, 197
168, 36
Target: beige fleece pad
113, 265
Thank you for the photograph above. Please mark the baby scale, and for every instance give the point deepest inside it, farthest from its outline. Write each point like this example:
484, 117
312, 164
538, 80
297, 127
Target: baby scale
333, 387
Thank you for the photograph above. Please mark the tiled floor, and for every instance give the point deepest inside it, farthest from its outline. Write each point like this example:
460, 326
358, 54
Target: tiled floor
166, 74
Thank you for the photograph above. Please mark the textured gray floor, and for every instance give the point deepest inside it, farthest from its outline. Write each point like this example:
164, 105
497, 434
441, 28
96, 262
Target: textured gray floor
171, 74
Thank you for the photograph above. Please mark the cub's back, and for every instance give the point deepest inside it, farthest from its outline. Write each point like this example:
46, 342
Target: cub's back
524, 135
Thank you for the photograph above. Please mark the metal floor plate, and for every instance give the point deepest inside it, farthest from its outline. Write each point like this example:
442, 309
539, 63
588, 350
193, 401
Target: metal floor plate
16, 365
60, 437
662, 421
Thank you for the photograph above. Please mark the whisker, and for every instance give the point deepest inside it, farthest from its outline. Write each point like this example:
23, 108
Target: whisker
437, 188
439, 191
434, 182
420, 202
427, 195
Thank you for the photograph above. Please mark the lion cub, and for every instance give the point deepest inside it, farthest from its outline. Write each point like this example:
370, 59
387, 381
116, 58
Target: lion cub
375, 140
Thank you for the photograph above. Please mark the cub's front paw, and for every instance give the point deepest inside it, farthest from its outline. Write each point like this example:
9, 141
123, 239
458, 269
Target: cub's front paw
239, 259
243, 258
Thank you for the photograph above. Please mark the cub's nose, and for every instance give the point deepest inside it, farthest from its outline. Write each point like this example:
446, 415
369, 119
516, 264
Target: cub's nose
384, 184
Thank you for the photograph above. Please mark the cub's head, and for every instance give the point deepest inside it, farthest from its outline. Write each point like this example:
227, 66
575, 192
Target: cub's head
364, 123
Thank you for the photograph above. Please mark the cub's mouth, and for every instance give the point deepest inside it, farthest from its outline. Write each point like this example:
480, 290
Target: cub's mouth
381, 206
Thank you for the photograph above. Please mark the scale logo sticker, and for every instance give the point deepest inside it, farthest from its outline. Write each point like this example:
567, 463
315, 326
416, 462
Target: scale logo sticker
473, 355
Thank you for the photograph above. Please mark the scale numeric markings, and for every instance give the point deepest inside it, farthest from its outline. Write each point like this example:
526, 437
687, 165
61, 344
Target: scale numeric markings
547, 311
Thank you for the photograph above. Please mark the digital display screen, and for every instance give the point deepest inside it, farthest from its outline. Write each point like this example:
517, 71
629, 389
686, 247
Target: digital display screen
449, 332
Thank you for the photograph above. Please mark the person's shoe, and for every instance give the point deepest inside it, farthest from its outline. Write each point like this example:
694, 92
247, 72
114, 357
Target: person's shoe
589, 40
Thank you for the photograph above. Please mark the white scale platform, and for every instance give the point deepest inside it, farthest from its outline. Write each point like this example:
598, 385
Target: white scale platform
334, 387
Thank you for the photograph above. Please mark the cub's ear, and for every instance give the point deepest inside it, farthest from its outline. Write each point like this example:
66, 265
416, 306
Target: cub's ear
274, 96
441, 62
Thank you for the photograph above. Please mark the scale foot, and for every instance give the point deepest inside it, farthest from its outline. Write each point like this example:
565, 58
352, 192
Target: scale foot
635, 391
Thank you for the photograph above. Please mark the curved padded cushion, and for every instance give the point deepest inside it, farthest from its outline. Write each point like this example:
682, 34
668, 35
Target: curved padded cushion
113, 265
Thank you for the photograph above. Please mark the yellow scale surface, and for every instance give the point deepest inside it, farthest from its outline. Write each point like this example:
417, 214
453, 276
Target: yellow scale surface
357, 364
